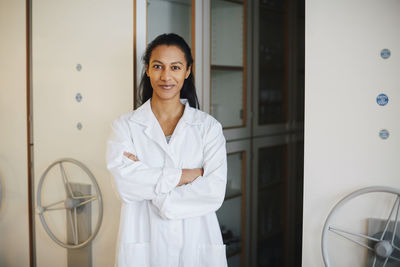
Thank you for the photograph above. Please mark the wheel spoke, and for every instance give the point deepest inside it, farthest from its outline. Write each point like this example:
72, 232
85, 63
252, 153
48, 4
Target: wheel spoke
334, 229
71, 223
394, 258
384, 264
86, 201
67, 185
396, 247
84, 197
50, 209
388, 221
374, 263
52, 204
396, 221
76, 227
351, 239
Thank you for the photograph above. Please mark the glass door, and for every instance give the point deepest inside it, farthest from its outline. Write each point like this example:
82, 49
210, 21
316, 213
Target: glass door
169, 16
234, 213
155, 17
272, 161
229, 86
277, 206
272, 63
227, 67
278, 62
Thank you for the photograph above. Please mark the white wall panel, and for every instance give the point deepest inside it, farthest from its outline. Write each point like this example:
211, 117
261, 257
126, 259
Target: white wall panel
14, 241
344, 75
99, 36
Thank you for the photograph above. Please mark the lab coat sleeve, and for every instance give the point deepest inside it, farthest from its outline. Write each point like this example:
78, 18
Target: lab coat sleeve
207, 192
134, 180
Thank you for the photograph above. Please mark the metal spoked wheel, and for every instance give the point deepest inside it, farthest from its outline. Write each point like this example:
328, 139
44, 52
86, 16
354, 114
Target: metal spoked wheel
382, 246
73, 202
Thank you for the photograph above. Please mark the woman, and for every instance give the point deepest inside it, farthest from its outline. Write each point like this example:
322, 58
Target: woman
168, 160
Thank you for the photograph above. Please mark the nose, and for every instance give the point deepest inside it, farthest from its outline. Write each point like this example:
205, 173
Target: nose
165, 74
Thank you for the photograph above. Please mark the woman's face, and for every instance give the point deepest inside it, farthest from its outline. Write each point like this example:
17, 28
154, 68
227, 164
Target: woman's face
167, 71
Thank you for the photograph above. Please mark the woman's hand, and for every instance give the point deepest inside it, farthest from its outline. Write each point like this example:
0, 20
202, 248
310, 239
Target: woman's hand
131, 156
189, 175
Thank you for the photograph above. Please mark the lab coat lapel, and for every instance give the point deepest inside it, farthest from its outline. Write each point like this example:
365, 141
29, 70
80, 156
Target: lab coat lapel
155, 133
144, 116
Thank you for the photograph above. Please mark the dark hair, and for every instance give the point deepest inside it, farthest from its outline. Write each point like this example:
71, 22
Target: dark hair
188, 90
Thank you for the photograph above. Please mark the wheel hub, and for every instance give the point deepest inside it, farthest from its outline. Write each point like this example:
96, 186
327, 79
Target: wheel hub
71, 203
383, 249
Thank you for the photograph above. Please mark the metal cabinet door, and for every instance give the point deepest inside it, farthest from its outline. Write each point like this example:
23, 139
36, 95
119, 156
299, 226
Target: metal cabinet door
82, 79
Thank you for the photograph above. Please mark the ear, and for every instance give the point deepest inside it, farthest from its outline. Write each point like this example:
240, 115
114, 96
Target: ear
147, 70
188, 71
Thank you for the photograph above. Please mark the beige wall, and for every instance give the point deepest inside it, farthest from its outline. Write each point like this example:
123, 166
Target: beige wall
343, 151
14, 243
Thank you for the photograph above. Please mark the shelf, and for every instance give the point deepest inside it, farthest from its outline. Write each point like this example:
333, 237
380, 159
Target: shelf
270, 102
224, 67
233, 246
233, 252
275, 10
270, 69
232, 195
240, 2
179, 2
268, 185
276, 6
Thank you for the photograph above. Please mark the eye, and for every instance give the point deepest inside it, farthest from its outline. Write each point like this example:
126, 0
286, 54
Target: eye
176, 67
157, 67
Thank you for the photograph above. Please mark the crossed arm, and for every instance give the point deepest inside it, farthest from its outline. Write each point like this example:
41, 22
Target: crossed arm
188, 175
177, 193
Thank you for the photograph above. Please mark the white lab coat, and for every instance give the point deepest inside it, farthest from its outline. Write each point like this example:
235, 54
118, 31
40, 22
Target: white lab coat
163, 225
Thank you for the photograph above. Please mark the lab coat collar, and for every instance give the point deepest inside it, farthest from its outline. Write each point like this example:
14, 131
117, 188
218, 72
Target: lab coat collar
144, 115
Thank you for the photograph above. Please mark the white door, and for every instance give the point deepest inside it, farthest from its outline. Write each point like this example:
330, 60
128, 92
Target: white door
82, 79
348, 66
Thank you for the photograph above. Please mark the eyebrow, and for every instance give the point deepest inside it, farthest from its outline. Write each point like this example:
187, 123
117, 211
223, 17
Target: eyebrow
158, 61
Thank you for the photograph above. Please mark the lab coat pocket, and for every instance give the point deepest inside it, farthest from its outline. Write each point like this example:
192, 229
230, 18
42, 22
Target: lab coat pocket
212, 256
135, 255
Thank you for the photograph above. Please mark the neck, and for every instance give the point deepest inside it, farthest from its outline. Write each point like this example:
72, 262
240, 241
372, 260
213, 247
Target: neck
166, 109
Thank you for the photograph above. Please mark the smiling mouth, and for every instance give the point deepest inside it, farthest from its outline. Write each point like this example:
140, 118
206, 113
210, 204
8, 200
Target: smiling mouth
167, 87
